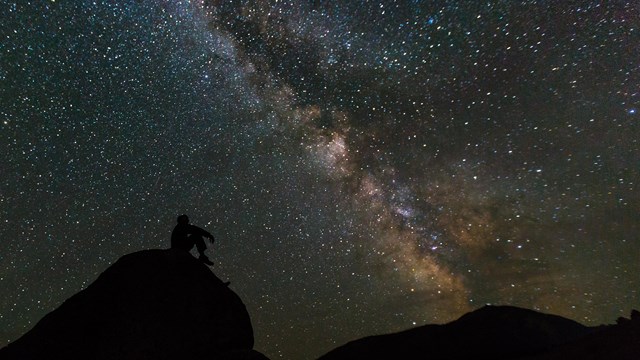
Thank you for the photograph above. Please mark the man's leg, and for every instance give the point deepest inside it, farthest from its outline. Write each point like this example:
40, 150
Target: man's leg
201, 246
184, 244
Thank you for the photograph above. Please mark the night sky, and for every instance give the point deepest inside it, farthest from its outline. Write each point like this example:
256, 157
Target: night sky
365, 166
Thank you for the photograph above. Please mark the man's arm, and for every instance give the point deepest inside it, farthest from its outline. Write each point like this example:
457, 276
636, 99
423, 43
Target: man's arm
202, 232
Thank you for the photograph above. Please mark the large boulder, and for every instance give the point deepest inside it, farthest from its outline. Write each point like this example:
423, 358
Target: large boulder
152, 304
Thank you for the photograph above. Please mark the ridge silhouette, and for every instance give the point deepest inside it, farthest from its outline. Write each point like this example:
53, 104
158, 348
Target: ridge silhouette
502, 332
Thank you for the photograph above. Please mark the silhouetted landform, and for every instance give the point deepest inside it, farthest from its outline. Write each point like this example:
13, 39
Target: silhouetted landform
152, 304
619, 341
501, 332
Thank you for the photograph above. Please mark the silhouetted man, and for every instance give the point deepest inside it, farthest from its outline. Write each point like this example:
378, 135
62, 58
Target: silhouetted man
185, 235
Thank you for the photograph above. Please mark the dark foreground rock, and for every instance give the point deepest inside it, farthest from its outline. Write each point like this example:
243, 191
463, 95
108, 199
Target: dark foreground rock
501, 332
153, 304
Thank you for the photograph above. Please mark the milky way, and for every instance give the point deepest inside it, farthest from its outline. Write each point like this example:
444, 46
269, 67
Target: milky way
365, 166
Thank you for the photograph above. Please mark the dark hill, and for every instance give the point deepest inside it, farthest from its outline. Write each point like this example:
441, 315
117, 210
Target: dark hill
619, 342
492, 332
153, 304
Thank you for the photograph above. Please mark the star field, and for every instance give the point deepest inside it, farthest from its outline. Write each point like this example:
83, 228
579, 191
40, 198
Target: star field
365, 166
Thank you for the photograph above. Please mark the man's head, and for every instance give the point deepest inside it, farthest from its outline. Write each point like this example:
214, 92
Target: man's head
183, 219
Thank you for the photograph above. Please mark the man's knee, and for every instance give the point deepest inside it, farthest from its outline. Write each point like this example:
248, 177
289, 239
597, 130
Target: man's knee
199, 242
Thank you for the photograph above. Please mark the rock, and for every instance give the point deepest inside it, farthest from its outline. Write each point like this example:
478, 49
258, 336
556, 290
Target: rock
242, 355
152, 304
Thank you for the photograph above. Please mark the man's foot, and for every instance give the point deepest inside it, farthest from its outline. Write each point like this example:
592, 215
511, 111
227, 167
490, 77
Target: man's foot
205, 259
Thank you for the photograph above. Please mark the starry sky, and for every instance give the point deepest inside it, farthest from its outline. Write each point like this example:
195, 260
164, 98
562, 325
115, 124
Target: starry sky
365, 166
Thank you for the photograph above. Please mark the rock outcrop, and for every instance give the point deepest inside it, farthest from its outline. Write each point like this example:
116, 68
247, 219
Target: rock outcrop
152, 304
